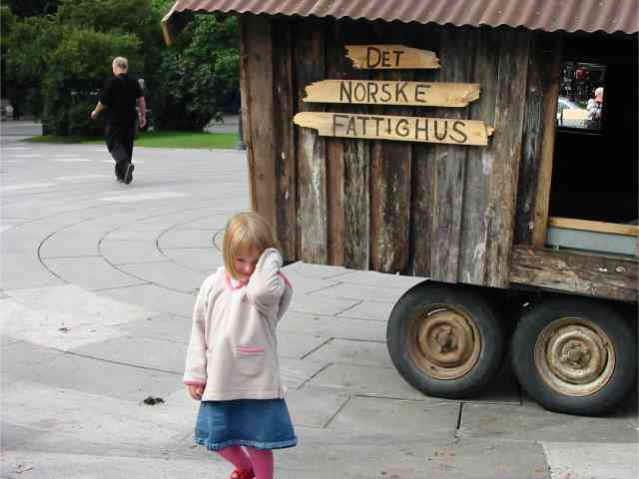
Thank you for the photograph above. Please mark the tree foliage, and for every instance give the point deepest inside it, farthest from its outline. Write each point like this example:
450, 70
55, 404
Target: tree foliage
60, 61
200, 73
76, 70
25, 49
29, 8
57, 54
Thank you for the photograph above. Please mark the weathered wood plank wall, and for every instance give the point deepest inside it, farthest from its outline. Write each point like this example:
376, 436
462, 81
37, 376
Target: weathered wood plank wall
539, 75
576, 273
449, 162
312, 222
336, 67
507, 141
390, 186
423, 187
538, 137
442, 211
476, 212
356, 157
284, 138
256, 75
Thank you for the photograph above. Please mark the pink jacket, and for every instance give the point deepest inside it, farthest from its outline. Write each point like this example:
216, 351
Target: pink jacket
233, 347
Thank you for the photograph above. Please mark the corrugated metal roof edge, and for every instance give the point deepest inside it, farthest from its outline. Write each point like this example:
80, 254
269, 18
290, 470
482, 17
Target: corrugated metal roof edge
414, 21
168, 36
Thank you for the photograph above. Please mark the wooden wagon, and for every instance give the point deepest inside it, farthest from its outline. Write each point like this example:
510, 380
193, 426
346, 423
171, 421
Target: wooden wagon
452, 140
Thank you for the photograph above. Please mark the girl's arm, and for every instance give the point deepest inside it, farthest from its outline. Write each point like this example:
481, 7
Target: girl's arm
195, 369
267, 285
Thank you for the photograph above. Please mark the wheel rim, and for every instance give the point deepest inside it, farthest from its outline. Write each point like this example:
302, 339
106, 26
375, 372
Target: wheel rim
444, 342
574, 356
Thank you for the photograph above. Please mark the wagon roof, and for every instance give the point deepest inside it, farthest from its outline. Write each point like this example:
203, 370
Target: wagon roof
548, 15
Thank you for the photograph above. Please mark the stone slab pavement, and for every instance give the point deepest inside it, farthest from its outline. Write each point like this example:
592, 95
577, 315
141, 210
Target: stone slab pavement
97, 283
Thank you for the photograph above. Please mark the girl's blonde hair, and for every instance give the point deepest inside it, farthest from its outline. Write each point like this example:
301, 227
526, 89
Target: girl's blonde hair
243, 231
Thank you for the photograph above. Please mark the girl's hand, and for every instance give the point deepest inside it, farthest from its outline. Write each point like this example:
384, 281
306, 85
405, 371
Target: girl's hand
270, 261
195, 391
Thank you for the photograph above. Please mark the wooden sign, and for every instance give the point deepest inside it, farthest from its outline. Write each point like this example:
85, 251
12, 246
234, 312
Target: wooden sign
403, 93
390, 57
401, 128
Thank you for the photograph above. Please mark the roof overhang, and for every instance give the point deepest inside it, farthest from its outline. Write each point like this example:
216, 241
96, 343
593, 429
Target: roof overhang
609, 16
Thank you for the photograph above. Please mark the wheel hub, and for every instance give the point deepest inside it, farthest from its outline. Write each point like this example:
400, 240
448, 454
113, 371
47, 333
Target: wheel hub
447, 342
446, 339
574, 356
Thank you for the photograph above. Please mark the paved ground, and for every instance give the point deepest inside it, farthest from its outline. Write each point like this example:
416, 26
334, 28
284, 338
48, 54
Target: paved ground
228, 124
96, 288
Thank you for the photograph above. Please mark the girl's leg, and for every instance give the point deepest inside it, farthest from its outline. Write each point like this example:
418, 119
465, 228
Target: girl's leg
262, 462
236, 456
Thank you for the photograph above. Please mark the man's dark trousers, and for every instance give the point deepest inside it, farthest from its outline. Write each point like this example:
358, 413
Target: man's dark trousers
119, 141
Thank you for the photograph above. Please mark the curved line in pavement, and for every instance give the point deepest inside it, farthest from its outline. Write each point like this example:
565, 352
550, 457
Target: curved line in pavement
41, 244
116, 267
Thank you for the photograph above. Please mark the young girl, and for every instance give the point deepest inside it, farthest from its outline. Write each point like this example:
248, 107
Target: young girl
231, 363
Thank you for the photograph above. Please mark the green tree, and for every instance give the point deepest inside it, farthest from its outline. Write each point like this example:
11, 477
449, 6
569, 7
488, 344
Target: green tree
7, 21
56, 56
26, 44
200, 72
28, 8
66, 57
77, 68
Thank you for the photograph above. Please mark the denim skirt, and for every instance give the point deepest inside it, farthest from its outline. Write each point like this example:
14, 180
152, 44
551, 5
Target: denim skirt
258, 423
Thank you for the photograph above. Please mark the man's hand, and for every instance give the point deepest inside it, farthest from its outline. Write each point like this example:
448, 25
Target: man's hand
96, 111
141, 102
195, 391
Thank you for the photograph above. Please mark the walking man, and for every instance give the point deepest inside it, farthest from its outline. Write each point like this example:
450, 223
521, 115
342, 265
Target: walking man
118, 99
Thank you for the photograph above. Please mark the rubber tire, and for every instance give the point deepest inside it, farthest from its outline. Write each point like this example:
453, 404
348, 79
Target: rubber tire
424, 296
610, 321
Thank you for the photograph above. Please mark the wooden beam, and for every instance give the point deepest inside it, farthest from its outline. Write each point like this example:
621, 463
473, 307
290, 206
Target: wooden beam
244, 94
423, 176
449, 163
309, 61
599, 226
336, 66
544, 175
509, 118
476, 208
284, 137
539, 130
390, 185
357, 167
580, 273
357, 204
257, 94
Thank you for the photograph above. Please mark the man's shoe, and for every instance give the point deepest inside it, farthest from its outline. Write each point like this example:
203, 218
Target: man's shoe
128, 173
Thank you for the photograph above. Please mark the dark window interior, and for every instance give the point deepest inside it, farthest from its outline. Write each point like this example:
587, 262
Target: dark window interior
595, 169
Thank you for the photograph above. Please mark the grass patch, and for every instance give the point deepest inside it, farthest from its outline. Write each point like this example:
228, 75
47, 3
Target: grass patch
158, 139
187, 139
62, 139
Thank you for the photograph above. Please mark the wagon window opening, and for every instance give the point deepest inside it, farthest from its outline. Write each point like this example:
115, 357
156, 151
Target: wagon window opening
581, 95
595, 167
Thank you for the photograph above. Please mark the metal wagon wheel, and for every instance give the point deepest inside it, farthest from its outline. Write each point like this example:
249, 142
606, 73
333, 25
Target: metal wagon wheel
445, 340
575, 355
